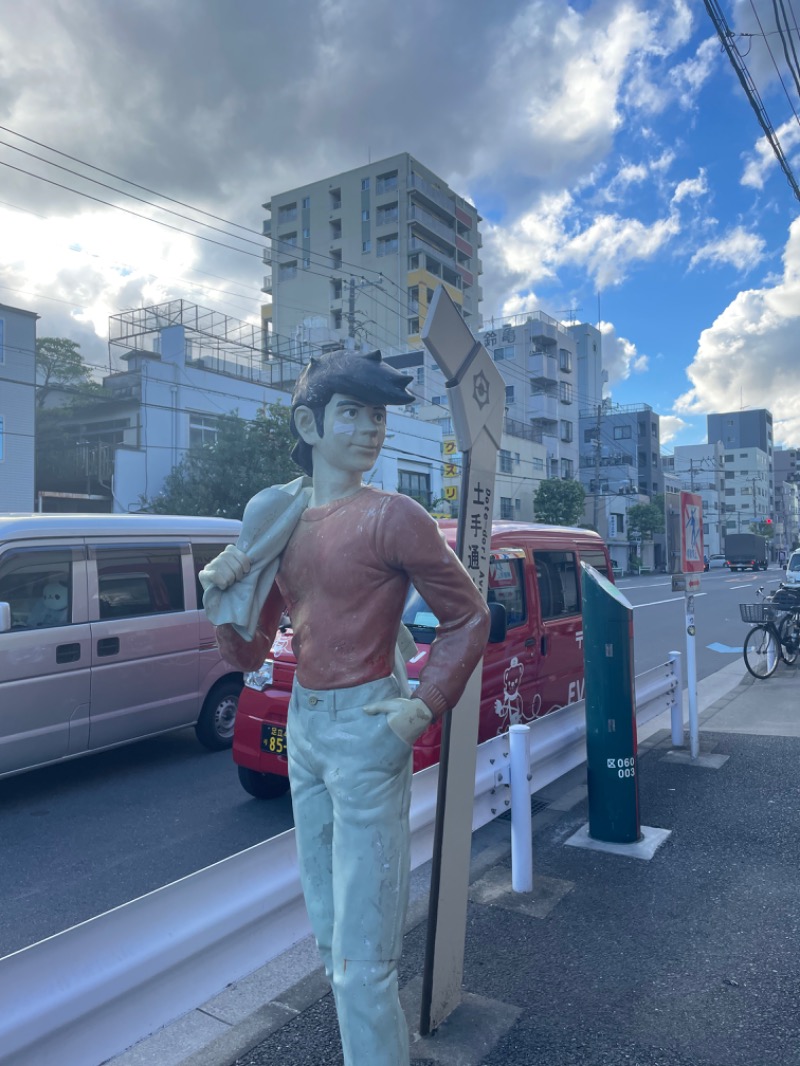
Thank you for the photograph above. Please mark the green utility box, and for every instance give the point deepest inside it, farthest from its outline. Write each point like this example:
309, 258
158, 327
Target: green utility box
611, 759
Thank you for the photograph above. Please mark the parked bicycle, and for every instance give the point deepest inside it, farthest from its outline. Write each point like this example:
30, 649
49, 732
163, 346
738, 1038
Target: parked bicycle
776, 634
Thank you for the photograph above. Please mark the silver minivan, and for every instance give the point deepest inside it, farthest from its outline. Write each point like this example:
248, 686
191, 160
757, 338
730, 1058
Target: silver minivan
103, 639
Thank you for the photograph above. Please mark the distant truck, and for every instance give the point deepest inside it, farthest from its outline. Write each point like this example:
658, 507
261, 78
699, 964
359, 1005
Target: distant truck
746, 551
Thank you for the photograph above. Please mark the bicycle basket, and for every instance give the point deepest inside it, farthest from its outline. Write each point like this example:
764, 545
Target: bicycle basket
755, 612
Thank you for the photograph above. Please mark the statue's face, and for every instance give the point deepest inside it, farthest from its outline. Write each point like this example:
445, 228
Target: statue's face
354, 433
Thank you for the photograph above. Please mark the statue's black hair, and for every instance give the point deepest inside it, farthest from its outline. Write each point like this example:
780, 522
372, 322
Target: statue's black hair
363, 375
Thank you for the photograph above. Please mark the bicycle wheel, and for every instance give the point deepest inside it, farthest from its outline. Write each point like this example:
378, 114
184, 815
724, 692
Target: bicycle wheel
762, 651
789, 636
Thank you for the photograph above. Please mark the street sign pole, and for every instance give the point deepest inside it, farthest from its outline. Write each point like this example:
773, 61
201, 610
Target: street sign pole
476, 393
692, 565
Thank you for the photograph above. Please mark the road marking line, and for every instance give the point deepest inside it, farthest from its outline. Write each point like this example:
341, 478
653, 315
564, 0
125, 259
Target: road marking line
672, 599
747, 586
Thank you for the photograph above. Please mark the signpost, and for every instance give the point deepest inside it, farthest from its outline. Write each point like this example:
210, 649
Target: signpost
692, 565
476, 393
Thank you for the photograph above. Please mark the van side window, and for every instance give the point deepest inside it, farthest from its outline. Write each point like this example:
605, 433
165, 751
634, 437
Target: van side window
557, 578
507, 586
134, 582
202, 555
37, 583
594, 557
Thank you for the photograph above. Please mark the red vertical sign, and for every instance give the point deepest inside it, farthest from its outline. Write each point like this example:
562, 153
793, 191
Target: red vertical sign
692, 554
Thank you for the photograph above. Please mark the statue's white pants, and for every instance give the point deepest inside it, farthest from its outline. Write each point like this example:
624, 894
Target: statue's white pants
351, 790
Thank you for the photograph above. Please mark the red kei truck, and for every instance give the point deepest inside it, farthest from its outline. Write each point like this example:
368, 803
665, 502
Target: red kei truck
533, 662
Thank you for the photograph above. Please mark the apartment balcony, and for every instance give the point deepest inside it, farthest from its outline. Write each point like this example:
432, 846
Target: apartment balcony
433, 195
436, 228
267, 286
543, 411
416, 244
514, 428
544, 330
266, 227
266, 258
542, 368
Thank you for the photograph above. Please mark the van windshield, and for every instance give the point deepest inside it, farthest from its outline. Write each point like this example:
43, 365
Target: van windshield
794, 561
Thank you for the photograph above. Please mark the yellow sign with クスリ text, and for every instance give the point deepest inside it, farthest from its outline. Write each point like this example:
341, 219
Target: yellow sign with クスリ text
451, 492
449, 446
452, 470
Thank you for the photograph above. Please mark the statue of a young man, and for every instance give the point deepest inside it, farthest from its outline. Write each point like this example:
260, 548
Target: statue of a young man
342, 556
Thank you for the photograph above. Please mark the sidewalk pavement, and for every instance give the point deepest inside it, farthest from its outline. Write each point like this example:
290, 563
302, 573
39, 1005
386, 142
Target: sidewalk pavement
688, 959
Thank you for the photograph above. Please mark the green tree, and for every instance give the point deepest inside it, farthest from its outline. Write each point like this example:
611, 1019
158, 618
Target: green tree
764, 529
647, 519
559, 502
219, 479
59, 363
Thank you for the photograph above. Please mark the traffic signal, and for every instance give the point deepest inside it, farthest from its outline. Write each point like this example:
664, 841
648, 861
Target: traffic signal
768, 521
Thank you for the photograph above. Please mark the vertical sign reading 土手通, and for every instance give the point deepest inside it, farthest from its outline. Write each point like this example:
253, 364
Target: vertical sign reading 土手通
476, 394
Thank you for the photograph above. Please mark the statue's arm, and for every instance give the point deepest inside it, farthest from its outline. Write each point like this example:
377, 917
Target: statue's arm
249, 655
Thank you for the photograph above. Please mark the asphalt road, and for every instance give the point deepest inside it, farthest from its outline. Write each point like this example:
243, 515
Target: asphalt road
86, 836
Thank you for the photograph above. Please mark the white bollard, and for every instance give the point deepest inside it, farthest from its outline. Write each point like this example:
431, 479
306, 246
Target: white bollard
521, 824
677, 701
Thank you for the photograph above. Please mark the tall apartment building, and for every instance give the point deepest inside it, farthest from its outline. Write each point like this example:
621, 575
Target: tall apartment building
747, 439
17, 407
787, 497
361, 253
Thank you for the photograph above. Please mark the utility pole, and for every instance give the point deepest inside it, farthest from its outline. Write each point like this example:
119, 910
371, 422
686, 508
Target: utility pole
597, 469
351, 309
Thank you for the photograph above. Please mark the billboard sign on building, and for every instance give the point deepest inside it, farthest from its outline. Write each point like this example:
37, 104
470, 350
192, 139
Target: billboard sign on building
692, 552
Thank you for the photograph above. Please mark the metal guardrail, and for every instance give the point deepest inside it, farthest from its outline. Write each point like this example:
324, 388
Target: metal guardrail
92, 991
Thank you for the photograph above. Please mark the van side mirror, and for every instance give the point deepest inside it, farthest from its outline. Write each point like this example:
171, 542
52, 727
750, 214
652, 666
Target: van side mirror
499, 625
5, 617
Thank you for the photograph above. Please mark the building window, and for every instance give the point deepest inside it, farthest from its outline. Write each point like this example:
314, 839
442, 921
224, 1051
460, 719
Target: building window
413, 325
499, 354
509, 393
418, 486
364, 184
654, 430
565, 392
387, 244
420, 375
413, 298
388, 213
336, 289
336, 258
413, 262
365, 215
439, 401
336, 319
506, 507
203, 430
386, 182
505, 461
336, 229
622, 432
290, 239
306, 201
287, 213
287, 271
538, 464
366, 246
565, 360
336, 199
567, 467
566, 431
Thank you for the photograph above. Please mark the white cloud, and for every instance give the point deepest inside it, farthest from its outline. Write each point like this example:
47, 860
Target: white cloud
763, 160
749, 355
691, 187
737, 248
620, 357
670, 426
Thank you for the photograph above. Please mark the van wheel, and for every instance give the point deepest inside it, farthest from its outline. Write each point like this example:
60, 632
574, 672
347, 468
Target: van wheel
263, 786
214, 727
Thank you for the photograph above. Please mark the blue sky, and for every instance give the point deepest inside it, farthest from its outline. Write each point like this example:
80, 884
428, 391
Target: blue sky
607, 143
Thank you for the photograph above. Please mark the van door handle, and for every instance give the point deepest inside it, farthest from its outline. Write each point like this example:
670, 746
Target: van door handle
108, 646
68, 653
544, 645
530, 642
